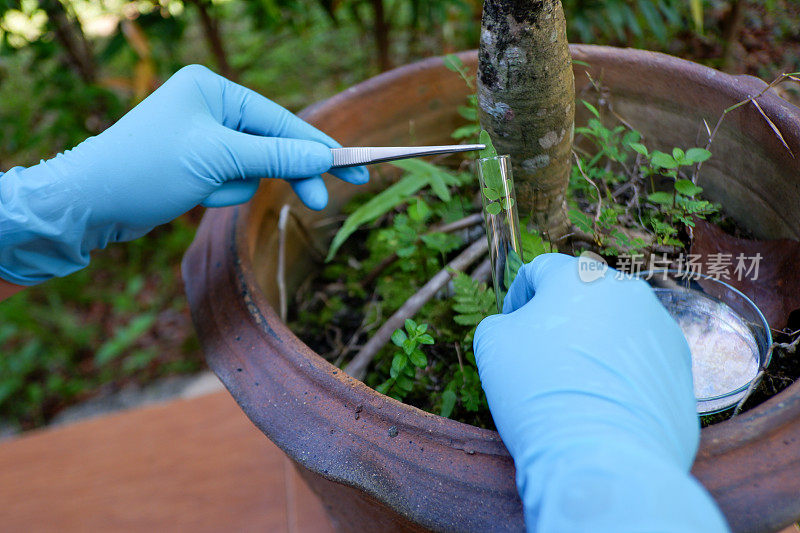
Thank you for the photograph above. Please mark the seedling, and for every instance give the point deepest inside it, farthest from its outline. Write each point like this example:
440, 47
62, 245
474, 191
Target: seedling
402, 374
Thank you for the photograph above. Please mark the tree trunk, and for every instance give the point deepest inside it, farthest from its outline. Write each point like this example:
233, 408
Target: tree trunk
381, 36
214, 39
732, 29
526, 98
70, 35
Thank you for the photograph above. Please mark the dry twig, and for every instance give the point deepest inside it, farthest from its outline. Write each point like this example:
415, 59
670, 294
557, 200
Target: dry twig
748, 392
713, 133
599, 196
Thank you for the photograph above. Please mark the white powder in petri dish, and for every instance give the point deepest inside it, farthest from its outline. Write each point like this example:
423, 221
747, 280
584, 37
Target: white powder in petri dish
725, 354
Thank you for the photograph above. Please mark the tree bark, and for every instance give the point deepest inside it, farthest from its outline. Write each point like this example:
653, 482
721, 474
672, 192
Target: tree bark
214, 39
72, 39
526, 98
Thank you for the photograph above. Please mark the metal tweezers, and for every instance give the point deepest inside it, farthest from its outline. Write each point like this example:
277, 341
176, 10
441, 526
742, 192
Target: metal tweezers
353, 157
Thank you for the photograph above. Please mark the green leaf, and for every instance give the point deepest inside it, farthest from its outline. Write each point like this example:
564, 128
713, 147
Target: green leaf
383, 388
422, 328
406, 251
508, 203
697, 155
399, 363
663, 198
469, 320
454, 63
472, 300
660, 159
492, 194
494, 208
686, 187
418, 359
378, 205
591, 108
409, 345
439, 188
472, 305
470, 113
124, 337
419, 211
466, 132
442, 242
426, 339
654, 20
513, 264
489, 151
678, 154
411, 326
449, 399
533, 244
579, 62
581, 221
639, 148
419, 174
489, 167
399, 337
405, 383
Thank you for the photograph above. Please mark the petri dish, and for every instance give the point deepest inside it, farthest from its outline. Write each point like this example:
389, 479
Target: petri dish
727, 334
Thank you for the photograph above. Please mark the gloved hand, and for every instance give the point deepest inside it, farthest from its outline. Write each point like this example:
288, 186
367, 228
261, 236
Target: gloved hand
590, 387
198, 139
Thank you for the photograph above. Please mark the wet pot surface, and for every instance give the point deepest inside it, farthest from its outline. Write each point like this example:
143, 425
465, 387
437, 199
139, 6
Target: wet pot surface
382, 465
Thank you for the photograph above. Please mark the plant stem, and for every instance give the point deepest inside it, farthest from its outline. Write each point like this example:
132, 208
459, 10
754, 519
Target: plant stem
358, 366
593, 184
72, 39
211, 30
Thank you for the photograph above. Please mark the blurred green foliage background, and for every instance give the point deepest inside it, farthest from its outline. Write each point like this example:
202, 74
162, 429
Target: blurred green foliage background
70, 68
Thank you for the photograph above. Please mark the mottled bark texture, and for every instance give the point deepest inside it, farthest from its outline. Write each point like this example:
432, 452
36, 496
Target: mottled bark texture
526, 96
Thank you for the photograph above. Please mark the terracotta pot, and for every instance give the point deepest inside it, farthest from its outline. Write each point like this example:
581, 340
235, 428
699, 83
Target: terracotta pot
381, 465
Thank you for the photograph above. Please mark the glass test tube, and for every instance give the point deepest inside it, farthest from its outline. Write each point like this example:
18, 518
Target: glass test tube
501, 222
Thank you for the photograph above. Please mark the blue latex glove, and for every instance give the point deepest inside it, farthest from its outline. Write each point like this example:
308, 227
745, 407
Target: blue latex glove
590, 387
198, 139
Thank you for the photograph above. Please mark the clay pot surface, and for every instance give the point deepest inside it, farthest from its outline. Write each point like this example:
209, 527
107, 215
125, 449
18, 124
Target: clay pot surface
382, 465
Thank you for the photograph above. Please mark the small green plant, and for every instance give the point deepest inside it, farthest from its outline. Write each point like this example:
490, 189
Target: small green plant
638, 198
419, 175
406, 361
493, 187
472, 302
679, 205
